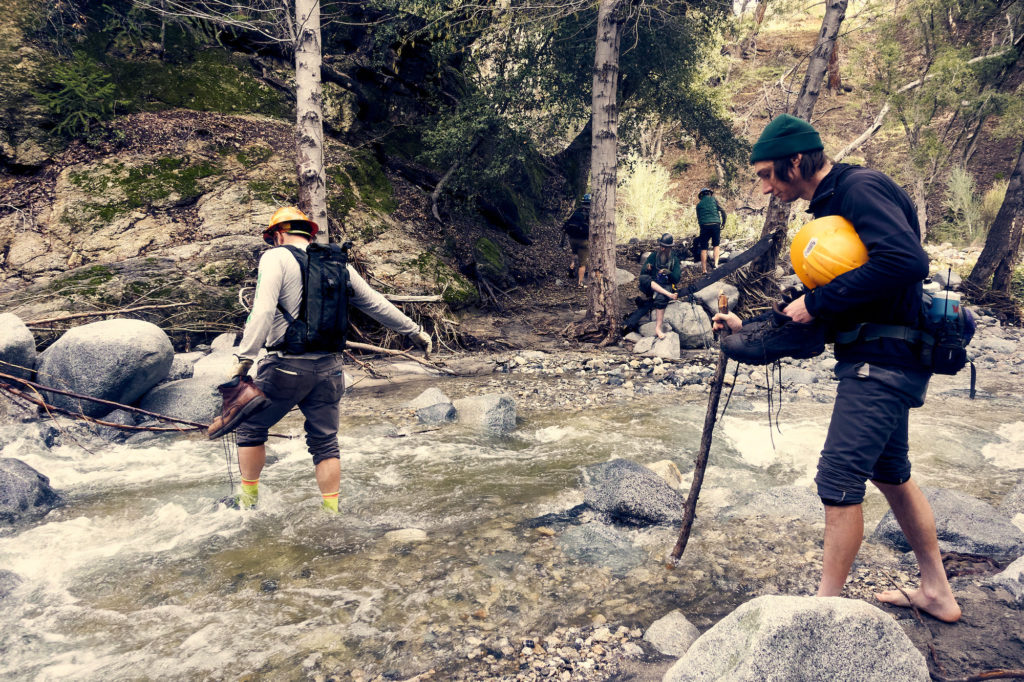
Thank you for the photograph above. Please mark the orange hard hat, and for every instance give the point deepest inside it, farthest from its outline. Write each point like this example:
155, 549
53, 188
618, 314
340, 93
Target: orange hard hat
825, 248
294, 218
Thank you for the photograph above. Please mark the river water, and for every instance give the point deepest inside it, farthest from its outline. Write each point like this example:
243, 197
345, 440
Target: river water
143, 576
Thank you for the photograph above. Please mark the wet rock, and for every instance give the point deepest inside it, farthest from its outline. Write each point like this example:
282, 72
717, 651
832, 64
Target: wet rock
8, 581
600, 545
494, 412
429, 397
708, 296
117, 360
17, 347
123, 417
690, 322
778, 501
437, 414
964, 524
803, 638
667, 470
24, 492
672, 634
632, 493
194, 400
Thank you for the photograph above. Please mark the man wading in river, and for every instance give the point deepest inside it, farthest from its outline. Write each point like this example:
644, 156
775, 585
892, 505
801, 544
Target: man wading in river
303, 365
881, 377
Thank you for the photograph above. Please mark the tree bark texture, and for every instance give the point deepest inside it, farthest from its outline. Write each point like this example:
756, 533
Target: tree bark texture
309, 125
777, 217
603, 308
1003, 240
749, 47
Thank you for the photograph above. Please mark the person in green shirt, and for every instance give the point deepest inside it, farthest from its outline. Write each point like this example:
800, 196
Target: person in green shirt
711, 219
659, 275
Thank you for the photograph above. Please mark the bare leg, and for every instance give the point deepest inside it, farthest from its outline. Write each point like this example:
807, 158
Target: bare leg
716, 256
580, 275
703, 261
251, 460
844, 530
659, 317
915, 517
328, 475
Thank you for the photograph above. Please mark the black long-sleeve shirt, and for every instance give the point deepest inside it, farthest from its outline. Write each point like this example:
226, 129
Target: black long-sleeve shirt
886, 289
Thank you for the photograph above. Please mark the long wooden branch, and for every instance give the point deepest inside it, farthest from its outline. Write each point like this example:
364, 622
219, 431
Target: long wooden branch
104, 313
78, 415
404, 354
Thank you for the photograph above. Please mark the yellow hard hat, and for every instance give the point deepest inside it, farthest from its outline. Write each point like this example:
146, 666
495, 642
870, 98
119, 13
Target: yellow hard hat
290, 215
825, 248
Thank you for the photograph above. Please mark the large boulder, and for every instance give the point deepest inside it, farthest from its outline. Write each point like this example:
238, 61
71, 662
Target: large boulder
691, 323
24, 492
667, 347
708, 296
803, 638
672, 634
493, 412
632, 493
964, 524
17, 347
194, 400
116, 360
431, 396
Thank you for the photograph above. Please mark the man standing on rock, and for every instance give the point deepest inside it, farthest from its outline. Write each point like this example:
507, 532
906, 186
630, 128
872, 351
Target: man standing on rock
880, 375
311, 380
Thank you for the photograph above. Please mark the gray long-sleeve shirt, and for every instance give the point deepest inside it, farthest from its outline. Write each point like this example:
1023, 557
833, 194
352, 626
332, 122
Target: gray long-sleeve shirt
280, 279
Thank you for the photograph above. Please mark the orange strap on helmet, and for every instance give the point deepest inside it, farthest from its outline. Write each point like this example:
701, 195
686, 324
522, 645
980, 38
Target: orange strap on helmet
294, 218
825, 248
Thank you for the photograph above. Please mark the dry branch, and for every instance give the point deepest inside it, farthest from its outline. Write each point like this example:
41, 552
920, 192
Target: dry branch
104, 313
402, 353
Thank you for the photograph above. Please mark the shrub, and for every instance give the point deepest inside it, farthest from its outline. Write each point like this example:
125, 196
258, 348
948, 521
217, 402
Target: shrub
644, 209
962, 223
82, 96
992, 201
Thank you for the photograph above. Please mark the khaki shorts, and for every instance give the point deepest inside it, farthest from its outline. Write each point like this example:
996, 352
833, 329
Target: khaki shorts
581, 249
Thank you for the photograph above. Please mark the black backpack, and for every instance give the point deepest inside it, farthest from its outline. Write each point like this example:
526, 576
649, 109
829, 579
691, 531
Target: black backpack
578, 225
322, 323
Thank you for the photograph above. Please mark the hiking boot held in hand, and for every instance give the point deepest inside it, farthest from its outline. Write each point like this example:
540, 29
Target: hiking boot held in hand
242, 398
765, 341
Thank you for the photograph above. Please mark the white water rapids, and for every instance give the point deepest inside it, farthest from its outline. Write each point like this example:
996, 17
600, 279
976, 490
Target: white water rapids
142, 576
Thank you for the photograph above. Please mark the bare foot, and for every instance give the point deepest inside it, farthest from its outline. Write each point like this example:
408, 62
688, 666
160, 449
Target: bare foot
943, 607
660, 334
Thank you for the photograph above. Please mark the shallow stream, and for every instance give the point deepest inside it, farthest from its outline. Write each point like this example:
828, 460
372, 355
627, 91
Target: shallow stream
142, 575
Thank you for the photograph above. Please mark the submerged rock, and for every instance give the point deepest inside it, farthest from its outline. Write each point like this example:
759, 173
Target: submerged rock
17, 347
598, 544
964, 524
8, 581
802, 638
24, 492
437, 414
672, 634
632, 493
429, 397
494, 412
117, 360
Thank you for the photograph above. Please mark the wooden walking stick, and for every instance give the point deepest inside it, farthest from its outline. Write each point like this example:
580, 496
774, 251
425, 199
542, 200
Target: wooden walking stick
690, 508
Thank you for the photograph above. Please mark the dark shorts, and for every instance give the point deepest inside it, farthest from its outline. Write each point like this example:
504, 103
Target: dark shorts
661, 301
580, 249
868, 435
712, 232
315, 386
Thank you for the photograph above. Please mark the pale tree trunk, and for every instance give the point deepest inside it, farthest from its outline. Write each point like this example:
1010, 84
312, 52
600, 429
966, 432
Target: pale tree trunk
1003, 240
777, 217
921, 205
749, 46
603, 303
309, 126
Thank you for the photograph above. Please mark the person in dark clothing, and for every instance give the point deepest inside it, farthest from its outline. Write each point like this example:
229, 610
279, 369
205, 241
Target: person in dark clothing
879, 379
577, 229
711, 218
659, 275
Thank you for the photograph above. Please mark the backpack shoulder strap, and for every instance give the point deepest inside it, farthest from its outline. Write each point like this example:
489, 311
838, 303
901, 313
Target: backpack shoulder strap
303, 260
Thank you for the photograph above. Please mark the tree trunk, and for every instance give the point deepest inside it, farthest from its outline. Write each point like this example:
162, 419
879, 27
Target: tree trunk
749, 47
603, 304
777, 217
835, 80
921, 205
1000, 249
309, 126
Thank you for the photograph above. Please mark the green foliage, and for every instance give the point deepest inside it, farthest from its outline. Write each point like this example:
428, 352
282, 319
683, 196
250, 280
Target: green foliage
1017, 286
80, 96
454, 289
992, 201
966, 218
359, 179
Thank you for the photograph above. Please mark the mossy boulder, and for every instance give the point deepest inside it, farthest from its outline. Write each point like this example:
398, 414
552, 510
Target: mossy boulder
490, 263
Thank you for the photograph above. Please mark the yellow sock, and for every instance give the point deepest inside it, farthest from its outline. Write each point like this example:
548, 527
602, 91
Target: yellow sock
330, 503
250, 493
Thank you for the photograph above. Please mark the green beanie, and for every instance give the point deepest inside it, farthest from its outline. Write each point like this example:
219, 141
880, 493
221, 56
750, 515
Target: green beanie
785, 136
